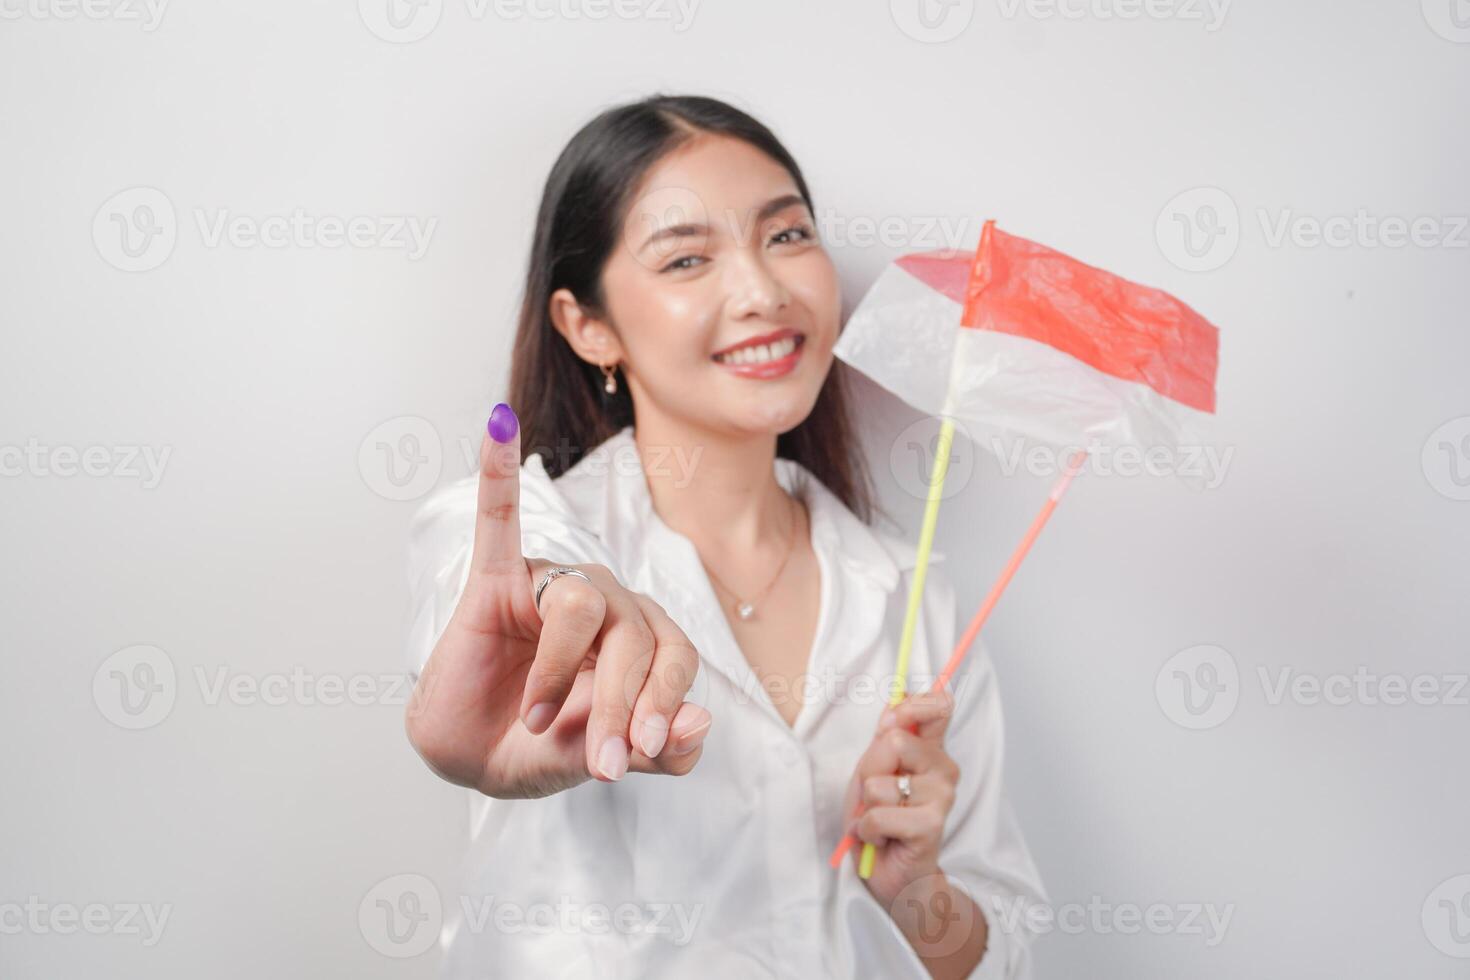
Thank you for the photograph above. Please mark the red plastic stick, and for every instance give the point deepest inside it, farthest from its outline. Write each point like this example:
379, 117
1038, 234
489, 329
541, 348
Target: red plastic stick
1009, 572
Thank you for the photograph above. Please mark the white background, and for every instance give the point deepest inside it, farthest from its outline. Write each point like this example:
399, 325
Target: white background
1335, 541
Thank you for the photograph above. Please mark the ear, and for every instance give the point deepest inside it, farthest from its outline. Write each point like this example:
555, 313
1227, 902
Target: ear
593, 340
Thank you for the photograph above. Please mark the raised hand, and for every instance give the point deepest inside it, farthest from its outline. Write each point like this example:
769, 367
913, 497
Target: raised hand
520, 702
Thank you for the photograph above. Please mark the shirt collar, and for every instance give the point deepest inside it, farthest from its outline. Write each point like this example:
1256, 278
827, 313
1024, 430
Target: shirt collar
609, 491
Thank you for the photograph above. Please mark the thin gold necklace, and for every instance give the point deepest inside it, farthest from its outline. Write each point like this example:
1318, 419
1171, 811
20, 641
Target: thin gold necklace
745, 608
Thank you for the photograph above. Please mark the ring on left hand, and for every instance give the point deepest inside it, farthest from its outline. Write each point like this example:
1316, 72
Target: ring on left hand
905, 789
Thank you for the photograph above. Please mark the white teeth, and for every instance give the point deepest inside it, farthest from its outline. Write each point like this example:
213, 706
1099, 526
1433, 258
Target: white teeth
759, 354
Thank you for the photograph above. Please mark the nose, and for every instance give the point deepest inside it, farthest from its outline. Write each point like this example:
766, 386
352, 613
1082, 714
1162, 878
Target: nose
753, 290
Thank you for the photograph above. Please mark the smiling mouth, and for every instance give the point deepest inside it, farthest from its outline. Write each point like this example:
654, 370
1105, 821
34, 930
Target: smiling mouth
762, 353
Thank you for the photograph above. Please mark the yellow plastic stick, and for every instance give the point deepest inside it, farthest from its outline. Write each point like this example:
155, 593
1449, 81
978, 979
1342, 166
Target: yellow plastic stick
916, 591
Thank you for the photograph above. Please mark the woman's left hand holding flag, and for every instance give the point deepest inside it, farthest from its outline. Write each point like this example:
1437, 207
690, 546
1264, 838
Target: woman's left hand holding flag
909, 743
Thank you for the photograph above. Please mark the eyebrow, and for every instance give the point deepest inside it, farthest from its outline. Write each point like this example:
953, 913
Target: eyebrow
772, 207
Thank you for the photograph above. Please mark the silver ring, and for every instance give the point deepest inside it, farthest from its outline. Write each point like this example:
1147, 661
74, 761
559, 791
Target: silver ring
555, 573
905, 789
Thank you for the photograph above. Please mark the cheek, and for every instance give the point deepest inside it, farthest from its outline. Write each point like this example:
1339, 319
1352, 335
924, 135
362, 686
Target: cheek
677, 329
816, 287
664, 329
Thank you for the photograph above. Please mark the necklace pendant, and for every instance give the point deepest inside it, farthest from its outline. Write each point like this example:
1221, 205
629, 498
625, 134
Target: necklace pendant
745, 610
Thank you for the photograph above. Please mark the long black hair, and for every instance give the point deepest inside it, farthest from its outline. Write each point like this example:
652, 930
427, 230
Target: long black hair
558, 397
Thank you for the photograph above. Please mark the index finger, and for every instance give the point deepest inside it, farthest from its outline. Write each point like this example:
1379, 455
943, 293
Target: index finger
497, 548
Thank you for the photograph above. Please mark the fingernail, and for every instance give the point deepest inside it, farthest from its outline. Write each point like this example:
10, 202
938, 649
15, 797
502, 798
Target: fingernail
889, 719
540, 717
655, 733
612, 760
503, 423
689, 741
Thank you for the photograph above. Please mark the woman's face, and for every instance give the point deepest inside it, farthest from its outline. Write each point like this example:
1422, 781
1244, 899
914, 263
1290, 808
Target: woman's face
718, 250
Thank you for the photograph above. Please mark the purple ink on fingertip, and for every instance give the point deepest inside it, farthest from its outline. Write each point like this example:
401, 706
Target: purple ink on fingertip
503, 423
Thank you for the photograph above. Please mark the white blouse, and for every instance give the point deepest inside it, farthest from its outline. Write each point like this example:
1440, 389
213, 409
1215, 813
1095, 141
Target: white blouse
723, 872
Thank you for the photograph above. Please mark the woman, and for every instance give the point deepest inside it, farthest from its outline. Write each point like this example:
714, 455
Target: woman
677, 731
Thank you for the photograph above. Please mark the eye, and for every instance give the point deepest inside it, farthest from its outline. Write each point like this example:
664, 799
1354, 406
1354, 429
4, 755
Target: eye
796, 233
678, 265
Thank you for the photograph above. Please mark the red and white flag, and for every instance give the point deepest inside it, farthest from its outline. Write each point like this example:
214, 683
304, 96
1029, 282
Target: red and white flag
1020, 339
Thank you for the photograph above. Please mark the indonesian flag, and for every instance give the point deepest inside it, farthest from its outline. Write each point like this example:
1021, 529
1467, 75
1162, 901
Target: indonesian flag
1019, 338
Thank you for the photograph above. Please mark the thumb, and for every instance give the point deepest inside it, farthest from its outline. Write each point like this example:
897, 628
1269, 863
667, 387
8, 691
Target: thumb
497, 548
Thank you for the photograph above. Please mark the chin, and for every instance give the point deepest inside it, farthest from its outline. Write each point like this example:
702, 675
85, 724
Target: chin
780, 415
